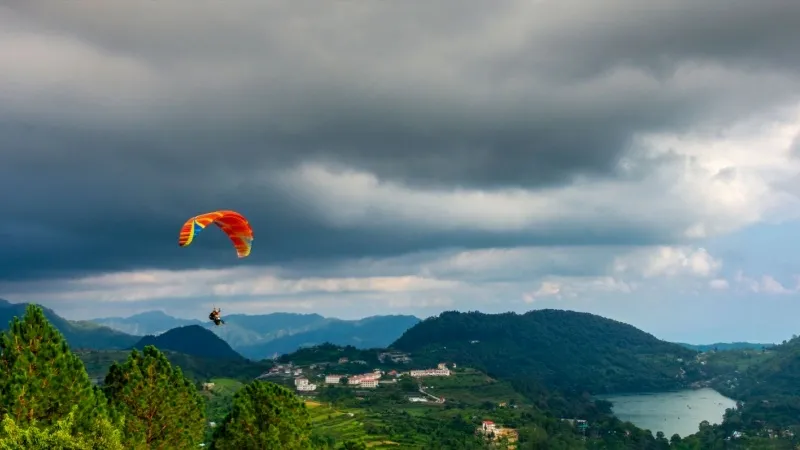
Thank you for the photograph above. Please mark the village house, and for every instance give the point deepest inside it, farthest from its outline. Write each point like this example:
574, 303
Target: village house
430, 373
333, 379
369, 383
208, 386
343, 360
395, 357
359, 379
302, 384
493, 432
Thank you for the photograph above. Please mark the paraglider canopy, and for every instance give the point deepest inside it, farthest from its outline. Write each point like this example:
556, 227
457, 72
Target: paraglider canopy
232, 223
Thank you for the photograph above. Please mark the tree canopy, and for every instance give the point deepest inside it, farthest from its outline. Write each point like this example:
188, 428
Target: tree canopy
264, 415
41, 381
162, 407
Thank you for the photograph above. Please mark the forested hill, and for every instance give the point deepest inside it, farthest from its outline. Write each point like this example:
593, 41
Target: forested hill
568, 350
192, 340
79, 334
770, 385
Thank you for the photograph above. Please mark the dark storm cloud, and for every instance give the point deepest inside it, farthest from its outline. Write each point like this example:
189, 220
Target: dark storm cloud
175, 108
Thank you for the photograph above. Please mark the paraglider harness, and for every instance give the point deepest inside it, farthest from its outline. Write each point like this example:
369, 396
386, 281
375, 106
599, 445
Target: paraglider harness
214, 317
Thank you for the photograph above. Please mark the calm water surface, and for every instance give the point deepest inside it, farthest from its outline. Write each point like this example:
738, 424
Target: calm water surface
671, 412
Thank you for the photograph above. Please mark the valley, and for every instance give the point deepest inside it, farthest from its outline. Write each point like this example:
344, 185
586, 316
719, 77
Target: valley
548, 377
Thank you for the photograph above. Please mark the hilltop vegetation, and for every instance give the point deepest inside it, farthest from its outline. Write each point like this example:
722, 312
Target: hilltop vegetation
192, 340
722, 346
567, 350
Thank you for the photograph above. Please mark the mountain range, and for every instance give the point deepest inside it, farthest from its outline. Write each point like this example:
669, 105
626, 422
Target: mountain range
262, 336
146, 323
79, 334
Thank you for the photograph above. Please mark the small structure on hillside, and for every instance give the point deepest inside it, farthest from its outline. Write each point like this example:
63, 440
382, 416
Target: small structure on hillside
493, 433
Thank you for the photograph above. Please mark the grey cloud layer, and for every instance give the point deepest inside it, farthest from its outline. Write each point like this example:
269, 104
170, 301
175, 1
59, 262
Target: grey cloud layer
119, 120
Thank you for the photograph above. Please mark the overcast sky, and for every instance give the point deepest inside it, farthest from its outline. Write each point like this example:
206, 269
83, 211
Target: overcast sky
641, 162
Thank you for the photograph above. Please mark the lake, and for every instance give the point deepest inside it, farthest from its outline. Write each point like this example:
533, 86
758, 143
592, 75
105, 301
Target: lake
671, 412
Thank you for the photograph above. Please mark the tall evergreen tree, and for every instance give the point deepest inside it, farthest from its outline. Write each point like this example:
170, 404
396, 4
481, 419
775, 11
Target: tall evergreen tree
41, 380
161, 407
264, 416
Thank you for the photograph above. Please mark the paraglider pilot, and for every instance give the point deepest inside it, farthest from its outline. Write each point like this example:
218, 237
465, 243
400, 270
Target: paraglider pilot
214, 317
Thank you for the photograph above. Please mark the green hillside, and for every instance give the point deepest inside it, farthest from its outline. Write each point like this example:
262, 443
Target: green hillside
567, 350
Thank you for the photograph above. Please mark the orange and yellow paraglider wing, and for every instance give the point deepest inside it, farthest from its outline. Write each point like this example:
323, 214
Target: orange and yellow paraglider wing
238, 230
195, 225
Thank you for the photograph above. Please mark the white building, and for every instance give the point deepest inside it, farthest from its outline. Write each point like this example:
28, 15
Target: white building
430, 373
301, 381
333, 379
360, 379
369, 383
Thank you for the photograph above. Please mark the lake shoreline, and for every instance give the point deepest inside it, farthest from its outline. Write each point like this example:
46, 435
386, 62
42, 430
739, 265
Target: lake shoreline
670, 412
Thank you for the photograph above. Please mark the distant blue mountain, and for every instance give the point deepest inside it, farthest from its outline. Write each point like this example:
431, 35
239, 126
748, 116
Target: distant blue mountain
370, 332
261, 336
146, 323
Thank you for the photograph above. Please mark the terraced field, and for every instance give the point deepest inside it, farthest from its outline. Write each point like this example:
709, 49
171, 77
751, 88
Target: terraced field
352, 425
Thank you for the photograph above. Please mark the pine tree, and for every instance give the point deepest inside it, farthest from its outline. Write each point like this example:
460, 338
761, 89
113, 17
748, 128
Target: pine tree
41, 380
264, 416
161, 407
